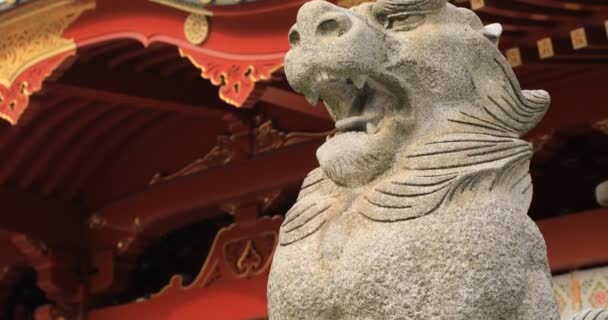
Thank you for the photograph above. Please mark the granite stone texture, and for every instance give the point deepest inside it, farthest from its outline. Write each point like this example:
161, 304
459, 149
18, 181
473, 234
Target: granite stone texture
419, 208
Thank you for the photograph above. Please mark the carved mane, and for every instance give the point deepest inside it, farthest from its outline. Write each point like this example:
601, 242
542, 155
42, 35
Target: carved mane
478, 146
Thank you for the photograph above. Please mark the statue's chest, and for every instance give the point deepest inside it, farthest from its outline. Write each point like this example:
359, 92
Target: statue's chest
349, 261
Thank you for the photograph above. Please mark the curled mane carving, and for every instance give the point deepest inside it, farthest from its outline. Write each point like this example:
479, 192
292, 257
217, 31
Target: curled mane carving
474, 145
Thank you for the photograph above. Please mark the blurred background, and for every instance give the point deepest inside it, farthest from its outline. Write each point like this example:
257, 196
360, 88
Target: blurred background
150, 148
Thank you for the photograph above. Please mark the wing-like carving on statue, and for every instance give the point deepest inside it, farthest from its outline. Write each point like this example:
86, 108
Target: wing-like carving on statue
310, 212
596, 314
439, 169
483, 143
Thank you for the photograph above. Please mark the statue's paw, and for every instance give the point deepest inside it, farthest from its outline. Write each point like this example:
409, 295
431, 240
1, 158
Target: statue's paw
592, 314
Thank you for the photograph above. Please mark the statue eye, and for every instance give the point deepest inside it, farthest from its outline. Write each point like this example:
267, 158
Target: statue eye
404, 21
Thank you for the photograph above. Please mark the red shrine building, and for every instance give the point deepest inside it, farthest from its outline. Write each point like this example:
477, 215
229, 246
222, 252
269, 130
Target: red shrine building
149, 150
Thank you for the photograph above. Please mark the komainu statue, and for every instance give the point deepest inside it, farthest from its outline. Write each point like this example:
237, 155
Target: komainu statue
419, 208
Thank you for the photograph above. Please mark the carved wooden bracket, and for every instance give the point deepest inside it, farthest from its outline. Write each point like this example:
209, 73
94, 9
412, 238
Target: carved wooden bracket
32, 47
239, 258
265, 137
59, 274
109, 269
235, 79
239, 251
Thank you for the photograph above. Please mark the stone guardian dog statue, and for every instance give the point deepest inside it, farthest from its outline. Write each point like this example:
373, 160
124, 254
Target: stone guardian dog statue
419, 208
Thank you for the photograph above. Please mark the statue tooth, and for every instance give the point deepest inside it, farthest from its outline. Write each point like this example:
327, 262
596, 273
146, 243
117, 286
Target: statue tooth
359, 81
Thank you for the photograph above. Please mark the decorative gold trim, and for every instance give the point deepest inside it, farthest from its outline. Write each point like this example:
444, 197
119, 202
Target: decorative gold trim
96, 222
477, 4
579, 38
576, 291
186, 7
7, 119
33, 32
265, 138
514, 57
269, 199
545, 48
236, 81
221, 154
196, 28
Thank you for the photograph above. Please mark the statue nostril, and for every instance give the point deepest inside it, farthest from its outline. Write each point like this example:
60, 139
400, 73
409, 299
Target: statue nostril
328, 27
294, 38
336, 26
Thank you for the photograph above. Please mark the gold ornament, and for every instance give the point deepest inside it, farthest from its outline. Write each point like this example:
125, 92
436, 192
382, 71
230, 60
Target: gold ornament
196, 28
32, 33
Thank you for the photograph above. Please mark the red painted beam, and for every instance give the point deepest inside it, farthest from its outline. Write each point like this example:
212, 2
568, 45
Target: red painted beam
115, 98
54, 222
576, 241
164, 202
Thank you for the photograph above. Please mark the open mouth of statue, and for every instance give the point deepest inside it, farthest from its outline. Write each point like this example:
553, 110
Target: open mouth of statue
357, 104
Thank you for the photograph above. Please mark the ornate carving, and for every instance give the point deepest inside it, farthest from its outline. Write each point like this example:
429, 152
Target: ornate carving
214, 276
230, 208
241, 251
265, 138
236, 80
32, 47
196, 28
243, 257
269, 199
268, 138
57, 271
223, 153
96, 222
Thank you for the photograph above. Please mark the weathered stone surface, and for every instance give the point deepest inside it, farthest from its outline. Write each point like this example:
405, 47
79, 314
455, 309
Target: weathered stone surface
419, 208
601, 194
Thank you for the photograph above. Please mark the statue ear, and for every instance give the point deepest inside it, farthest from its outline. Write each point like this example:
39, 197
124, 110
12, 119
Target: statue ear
492, 32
